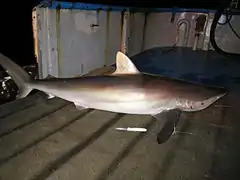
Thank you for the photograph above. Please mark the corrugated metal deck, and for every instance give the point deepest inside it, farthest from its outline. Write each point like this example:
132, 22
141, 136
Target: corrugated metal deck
53, 140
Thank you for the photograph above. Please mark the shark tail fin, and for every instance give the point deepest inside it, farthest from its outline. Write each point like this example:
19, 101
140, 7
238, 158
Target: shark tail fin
19, 75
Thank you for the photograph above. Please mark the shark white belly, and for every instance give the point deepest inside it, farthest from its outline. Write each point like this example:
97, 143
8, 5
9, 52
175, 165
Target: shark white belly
125, 91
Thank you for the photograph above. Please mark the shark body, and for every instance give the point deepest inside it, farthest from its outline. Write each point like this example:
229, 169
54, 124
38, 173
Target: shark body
125, 91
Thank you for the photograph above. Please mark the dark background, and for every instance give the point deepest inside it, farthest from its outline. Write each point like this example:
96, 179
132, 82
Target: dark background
16, 23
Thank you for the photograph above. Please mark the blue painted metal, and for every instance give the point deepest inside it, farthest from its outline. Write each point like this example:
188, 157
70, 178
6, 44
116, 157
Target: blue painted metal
88, 6
205, 67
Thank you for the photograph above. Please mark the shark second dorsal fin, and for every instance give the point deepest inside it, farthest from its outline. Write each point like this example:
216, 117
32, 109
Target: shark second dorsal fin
124, 65
50, 77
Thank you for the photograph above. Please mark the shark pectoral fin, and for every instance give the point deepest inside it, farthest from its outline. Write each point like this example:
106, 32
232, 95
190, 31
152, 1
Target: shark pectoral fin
80, 107
171, 118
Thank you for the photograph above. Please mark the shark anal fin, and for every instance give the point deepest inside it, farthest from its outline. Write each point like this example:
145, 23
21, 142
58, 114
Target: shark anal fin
171, 118
50, 96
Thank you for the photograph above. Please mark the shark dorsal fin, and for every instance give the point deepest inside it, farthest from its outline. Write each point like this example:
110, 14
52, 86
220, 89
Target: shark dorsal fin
124, 65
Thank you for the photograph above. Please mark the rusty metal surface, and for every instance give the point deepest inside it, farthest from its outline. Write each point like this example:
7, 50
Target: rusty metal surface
173, 31
35, 36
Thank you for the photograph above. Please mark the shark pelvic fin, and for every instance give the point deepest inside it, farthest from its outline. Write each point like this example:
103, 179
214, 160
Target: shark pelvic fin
171, 118
124, 65
80, 107
50, 96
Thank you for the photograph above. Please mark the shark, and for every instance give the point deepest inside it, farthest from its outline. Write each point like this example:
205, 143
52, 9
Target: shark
126, 90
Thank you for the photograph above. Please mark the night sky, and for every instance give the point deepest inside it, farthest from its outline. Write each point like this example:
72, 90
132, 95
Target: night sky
16, 25
16, 31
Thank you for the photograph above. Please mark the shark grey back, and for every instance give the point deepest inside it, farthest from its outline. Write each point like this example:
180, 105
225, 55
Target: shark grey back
124, 91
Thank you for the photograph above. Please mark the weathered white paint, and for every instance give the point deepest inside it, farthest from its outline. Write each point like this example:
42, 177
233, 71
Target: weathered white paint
83, 21
125, 33
74, 42
160, 31
136, 33
226, 39
69, 43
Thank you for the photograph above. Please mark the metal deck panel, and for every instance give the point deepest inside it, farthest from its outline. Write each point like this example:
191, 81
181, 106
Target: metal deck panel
54, 140
72, 144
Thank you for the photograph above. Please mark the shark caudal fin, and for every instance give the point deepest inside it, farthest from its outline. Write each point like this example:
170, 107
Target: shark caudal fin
124, 65
19, 75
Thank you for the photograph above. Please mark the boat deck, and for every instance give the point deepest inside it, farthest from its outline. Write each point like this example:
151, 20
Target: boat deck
51, 139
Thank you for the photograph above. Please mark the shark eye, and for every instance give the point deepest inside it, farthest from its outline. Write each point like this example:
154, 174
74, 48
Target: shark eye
202, 103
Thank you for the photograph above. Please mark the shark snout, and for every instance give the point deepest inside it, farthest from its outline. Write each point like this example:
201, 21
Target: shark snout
192, 105
222, 95
208, 102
